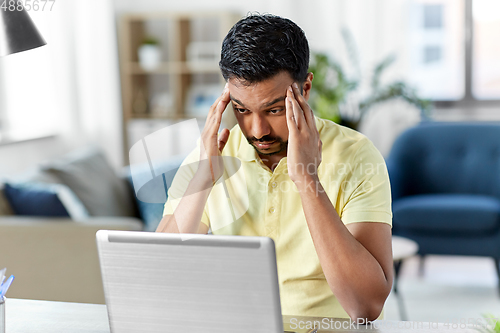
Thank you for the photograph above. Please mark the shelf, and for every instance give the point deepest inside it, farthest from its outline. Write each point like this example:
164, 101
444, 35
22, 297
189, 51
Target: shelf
171, 86
176, 67
188, 15
169, 117
154, 116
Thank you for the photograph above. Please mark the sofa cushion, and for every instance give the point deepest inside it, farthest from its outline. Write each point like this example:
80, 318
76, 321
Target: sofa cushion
91, 178
447, 213
44, 200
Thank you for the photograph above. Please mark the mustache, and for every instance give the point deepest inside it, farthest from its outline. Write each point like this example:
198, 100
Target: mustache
266, 138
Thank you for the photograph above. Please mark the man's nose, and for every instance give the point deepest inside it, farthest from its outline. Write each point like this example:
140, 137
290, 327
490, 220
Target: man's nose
260, 127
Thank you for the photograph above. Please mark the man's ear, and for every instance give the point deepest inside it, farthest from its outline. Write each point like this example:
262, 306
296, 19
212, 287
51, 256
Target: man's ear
307, 85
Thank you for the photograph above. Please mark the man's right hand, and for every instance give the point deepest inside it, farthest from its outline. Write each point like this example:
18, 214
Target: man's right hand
211, 166
187, 215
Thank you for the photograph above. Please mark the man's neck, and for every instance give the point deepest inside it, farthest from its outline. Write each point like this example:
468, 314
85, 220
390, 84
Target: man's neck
271, 161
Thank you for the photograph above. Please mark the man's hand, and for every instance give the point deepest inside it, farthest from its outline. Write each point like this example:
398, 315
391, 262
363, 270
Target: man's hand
211, 167
187, 215
357, 259
304, 144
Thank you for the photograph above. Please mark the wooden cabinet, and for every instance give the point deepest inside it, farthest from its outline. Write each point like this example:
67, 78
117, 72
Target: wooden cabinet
186, 78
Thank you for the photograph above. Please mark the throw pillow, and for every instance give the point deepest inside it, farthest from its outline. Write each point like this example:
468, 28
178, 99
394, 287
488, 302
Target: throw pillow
152, 193
44, 200
88, 174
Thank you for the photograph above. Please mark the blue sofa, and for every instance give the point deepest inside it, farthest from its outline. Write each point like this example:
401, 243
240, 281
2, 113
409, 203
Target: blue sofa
445, 181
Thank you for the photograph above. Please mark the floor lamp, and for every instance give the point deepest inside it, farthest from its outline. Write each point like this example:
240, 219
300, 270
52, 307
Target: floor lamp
17, 31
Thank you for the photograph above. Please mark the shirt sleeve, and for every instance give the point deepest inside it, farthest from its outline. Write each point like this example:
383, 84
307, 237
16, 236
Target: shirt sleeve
180, 183
367, 189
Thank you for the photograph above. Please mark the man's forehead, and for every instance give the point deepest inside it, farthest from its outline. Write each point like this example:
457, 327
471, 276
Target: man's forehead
260, 94
263, 103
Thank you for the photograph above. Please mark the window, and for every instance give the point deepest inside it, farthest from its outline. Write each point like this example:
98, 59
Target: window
455, 50
28, 108
436, 44
432, 54
486, 49
433, 16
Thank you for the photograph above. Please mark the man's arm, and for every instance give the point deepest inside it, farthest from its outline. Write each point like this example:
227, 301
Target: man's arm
356, 259
168, 224
187, 215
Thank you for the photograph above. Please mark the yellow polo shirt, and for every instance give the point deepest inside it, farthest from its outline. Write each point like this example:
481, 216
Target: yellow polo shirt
266, 203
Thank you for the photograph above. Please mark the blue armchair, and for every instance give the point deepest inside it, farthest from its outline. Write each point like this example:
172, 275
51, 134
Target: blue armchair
445, 181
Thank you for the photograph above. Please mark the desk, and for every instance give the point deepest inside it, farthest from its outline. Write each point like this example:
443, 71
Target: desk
60, 317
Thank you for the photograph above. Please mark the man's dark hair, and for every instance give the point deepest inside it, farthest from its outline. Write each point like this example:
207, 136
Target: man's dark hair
260, 46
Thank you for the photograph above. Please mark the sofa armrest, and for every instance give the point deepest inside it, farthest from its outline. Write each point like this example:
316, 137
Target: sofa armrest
56, 258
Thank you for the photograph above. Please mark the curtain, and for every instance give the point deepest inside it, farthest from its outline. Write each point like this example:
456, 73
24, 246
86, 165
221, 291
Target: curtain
70, 87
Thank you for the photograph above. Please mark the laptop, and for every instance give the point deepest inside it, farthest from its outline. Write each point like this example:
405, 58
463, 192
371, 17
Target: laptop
159, 282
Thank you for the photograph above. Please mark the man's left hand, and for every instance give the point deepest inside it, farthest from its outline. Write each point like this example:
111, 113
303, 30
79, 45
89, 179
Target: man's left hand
304, 144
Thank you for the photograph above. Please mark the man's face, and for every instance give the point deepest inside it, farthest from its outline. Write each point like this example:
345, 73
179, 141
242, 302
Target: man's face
261, 113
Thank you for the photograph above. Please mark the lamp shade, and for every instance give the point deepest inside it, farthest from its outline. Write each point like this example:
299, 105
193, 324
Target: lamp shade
17, 32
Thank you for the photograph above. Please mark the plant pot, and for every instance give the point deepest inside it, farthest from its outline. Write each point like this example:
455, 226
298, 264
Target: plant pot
149, 56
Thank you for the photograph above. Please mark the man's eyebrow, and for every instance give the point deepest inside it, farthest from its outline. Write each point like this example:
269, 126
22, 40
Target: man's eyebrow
235, 100
279, 99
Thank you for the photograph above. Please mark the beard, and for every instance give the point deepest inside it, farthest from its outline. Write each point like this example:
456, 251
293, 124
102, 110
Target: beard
283, 145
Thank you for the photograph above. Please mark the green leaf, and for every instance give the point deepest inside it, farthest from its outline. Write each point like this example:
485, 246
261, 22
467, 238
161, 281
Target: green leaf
332, 85
379, 68
352, 49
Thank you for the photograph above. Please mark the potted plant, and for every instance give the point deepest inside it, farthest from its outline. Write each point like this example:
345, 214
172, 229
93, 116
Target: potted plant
336, 95
149, 54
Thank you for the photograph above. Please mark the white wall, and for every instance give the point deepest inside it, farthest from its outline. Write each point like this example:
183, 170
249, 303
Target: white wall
321, 20
86, 73
378, 26
84, 69
98, 77
17, 157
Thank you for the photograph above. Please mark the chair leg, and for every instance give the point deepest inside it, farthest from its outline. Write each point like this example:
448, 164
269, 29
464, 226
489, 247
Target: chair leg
397, 269
497, 265
421, 265
403, 315
399, 298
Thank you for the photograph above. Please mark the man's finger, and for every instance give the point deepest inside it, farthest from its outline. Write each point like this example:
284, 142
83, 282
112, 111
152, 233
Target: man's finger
222, 105
224, 100
297, 110
214, 105
216, 117
223, 137
290, 119
308, 113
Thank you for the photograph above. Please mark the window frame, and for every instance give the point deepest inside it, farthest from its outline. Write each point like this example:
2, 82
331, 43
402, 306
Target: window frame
468, 100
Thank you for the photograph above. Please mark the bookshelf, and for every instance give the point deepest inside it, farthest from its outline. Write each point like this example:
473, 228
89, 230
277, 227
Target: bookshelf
152, 98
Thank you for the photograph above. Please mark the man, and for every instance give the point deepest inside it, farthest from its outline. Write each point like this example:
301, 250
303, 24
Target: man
320, 190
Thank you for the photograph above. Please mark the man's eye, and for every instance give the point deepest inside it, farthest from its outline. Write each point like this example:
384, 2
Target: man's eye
275, 111
240, 110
